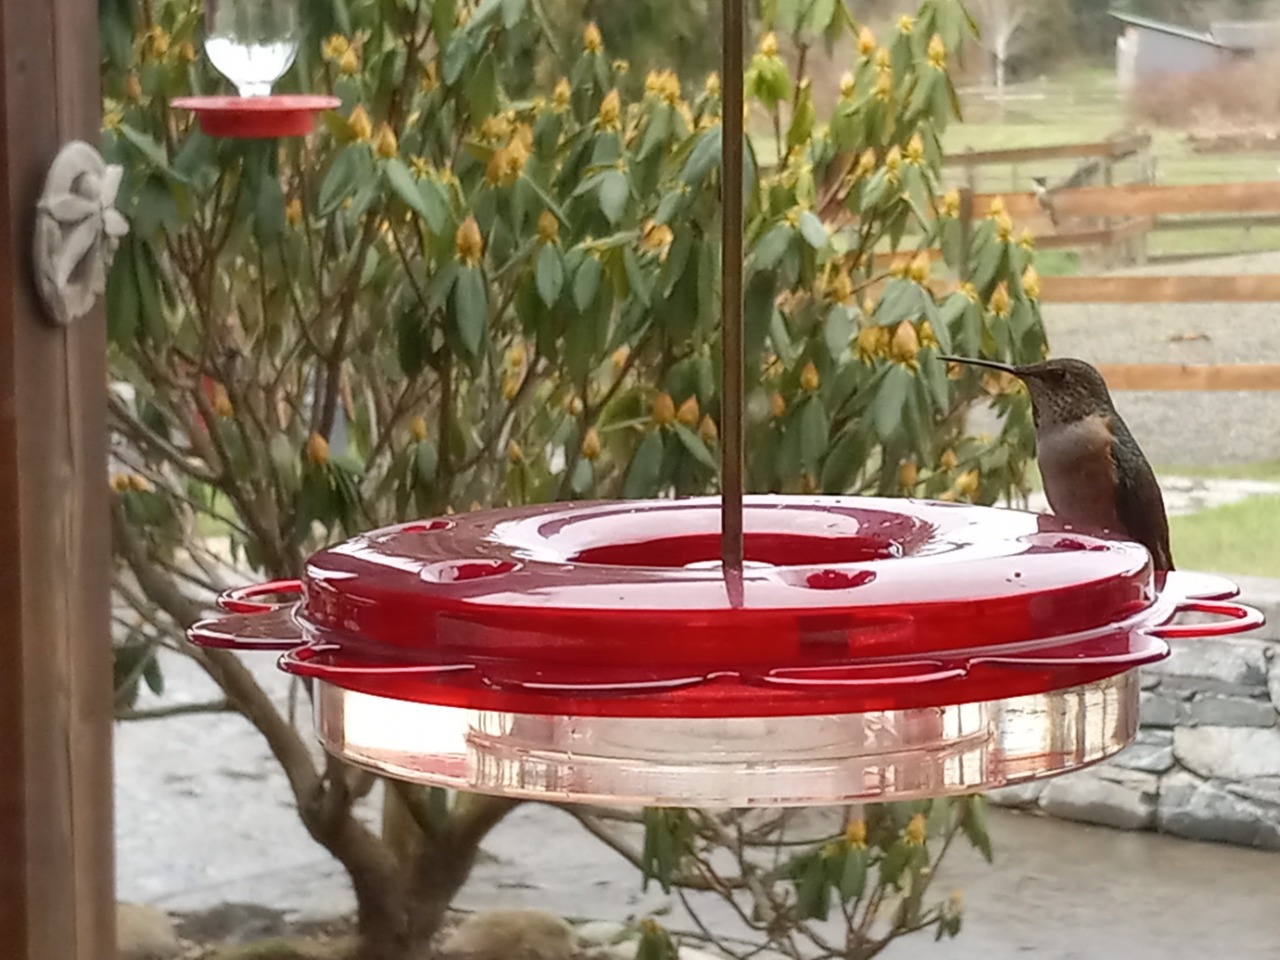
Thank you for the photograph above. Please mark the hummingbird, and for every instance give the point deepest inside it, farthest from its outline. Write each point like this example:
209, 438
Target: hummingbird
1094, 472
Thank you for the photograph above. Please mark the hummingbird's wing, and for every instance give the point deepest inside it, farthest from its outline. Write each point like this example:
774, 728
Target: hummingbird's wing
1139, 503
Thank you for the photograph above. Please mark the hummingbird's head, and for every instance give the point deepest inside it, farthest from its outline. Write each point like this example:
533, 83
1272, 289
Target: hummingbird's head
1062, 390
1040, 182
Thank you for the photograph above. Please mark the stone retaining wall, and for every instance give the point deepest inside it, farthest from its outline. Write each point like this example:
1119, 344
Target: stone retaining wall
1206, 763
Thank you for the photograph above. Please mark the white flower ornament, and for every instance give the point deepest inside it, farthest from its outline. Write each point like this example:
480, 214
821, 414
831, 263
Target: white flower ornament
77, 231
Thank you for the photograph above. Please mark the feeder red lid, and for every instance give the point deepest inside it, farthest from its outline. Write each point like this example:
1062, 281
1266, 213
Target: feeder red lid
621, 608
278, 115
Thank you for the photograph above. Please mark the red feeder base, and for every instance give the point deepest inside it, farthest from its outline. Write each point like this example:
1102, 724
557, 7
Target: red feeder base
284, 115
873, 648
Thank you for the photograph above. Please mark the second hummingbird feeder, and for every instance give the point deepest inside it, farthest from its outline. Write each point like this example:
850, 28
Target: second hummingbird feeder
253, 44
871, 649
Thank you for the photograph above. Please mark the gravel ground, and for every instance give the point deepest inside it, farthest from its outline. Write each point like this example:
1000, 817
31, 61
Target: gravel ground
1185, 429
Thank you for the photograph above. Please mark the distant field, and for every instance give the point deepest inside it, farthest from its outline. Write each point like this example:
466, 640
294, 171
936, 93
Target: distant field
1084, 106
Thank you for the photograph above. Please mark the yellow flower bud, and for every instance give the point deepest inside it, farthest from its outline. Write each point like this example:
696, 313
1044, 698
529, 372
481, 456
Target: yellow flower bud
221, 402
712, 85
884, 61
187, 52
610, 110
905, 344
386, 145
809, 379
937, 53
871, 343
120, 482
592, 42
884, 86
156, 45
1000, 301
514, 453
548, 227
418, 427
656, 238
950, 204
866, 164
664, 410
561, 95
293, 212
948, 459
917, 830
1031, 282
689, 413
621, 67
846, 85
575, 406
361, 125
967, 483
915, 150
866, 42
1027, 239
893, 161
856, 833
841, 289
996, 208
1004, 227
591, 445
920, 267
927, 337
708, 432
133, 87
334, 47
908, 474
620, 358
970, 292
777, 406
349, 62
317, 450
768, 45
906, 23
469, 243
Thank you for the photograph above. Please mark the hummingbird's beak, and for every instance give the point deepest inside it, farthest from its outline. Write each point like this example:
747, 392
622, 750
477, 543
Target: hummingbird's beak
990, 364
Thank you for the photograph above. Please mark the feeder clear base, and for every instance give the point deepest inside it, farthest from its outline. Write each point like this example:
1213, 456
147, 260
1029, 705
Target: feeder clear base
733, 762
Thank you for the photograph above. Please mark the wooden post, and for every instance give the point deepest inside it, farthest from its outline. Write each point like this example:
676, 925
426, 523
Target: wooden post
56, 868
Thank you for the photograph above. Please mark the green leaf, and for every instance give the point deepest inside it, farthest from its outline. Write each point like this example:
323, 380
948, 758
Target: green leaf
887, 407
813, 891
471, 308
902, 300
412, 346
549, 274
146, 145
586, 283
975, 826
425, 461
350, 169
482, 88
122, 295
894, 862
428, 204
813, 433
268, 210
846, 459
693, 443
582, 479
772, 247
615, 190
853, 880
758, 313
152, 675
704, 155
837, 330
813, 230
645, 472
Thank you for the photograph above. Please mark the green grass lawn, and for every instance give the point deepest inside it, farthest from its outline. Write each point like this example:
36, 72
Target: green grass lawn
1240, 538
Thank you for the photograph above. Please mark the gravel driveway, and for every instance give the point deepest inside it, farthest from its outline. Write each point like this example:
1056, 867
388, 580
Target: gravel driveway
1194, 428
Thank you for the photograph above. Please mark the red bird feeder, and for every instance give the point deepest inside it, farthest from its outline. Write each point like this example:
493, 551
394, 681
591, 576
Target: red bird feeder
869, 649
